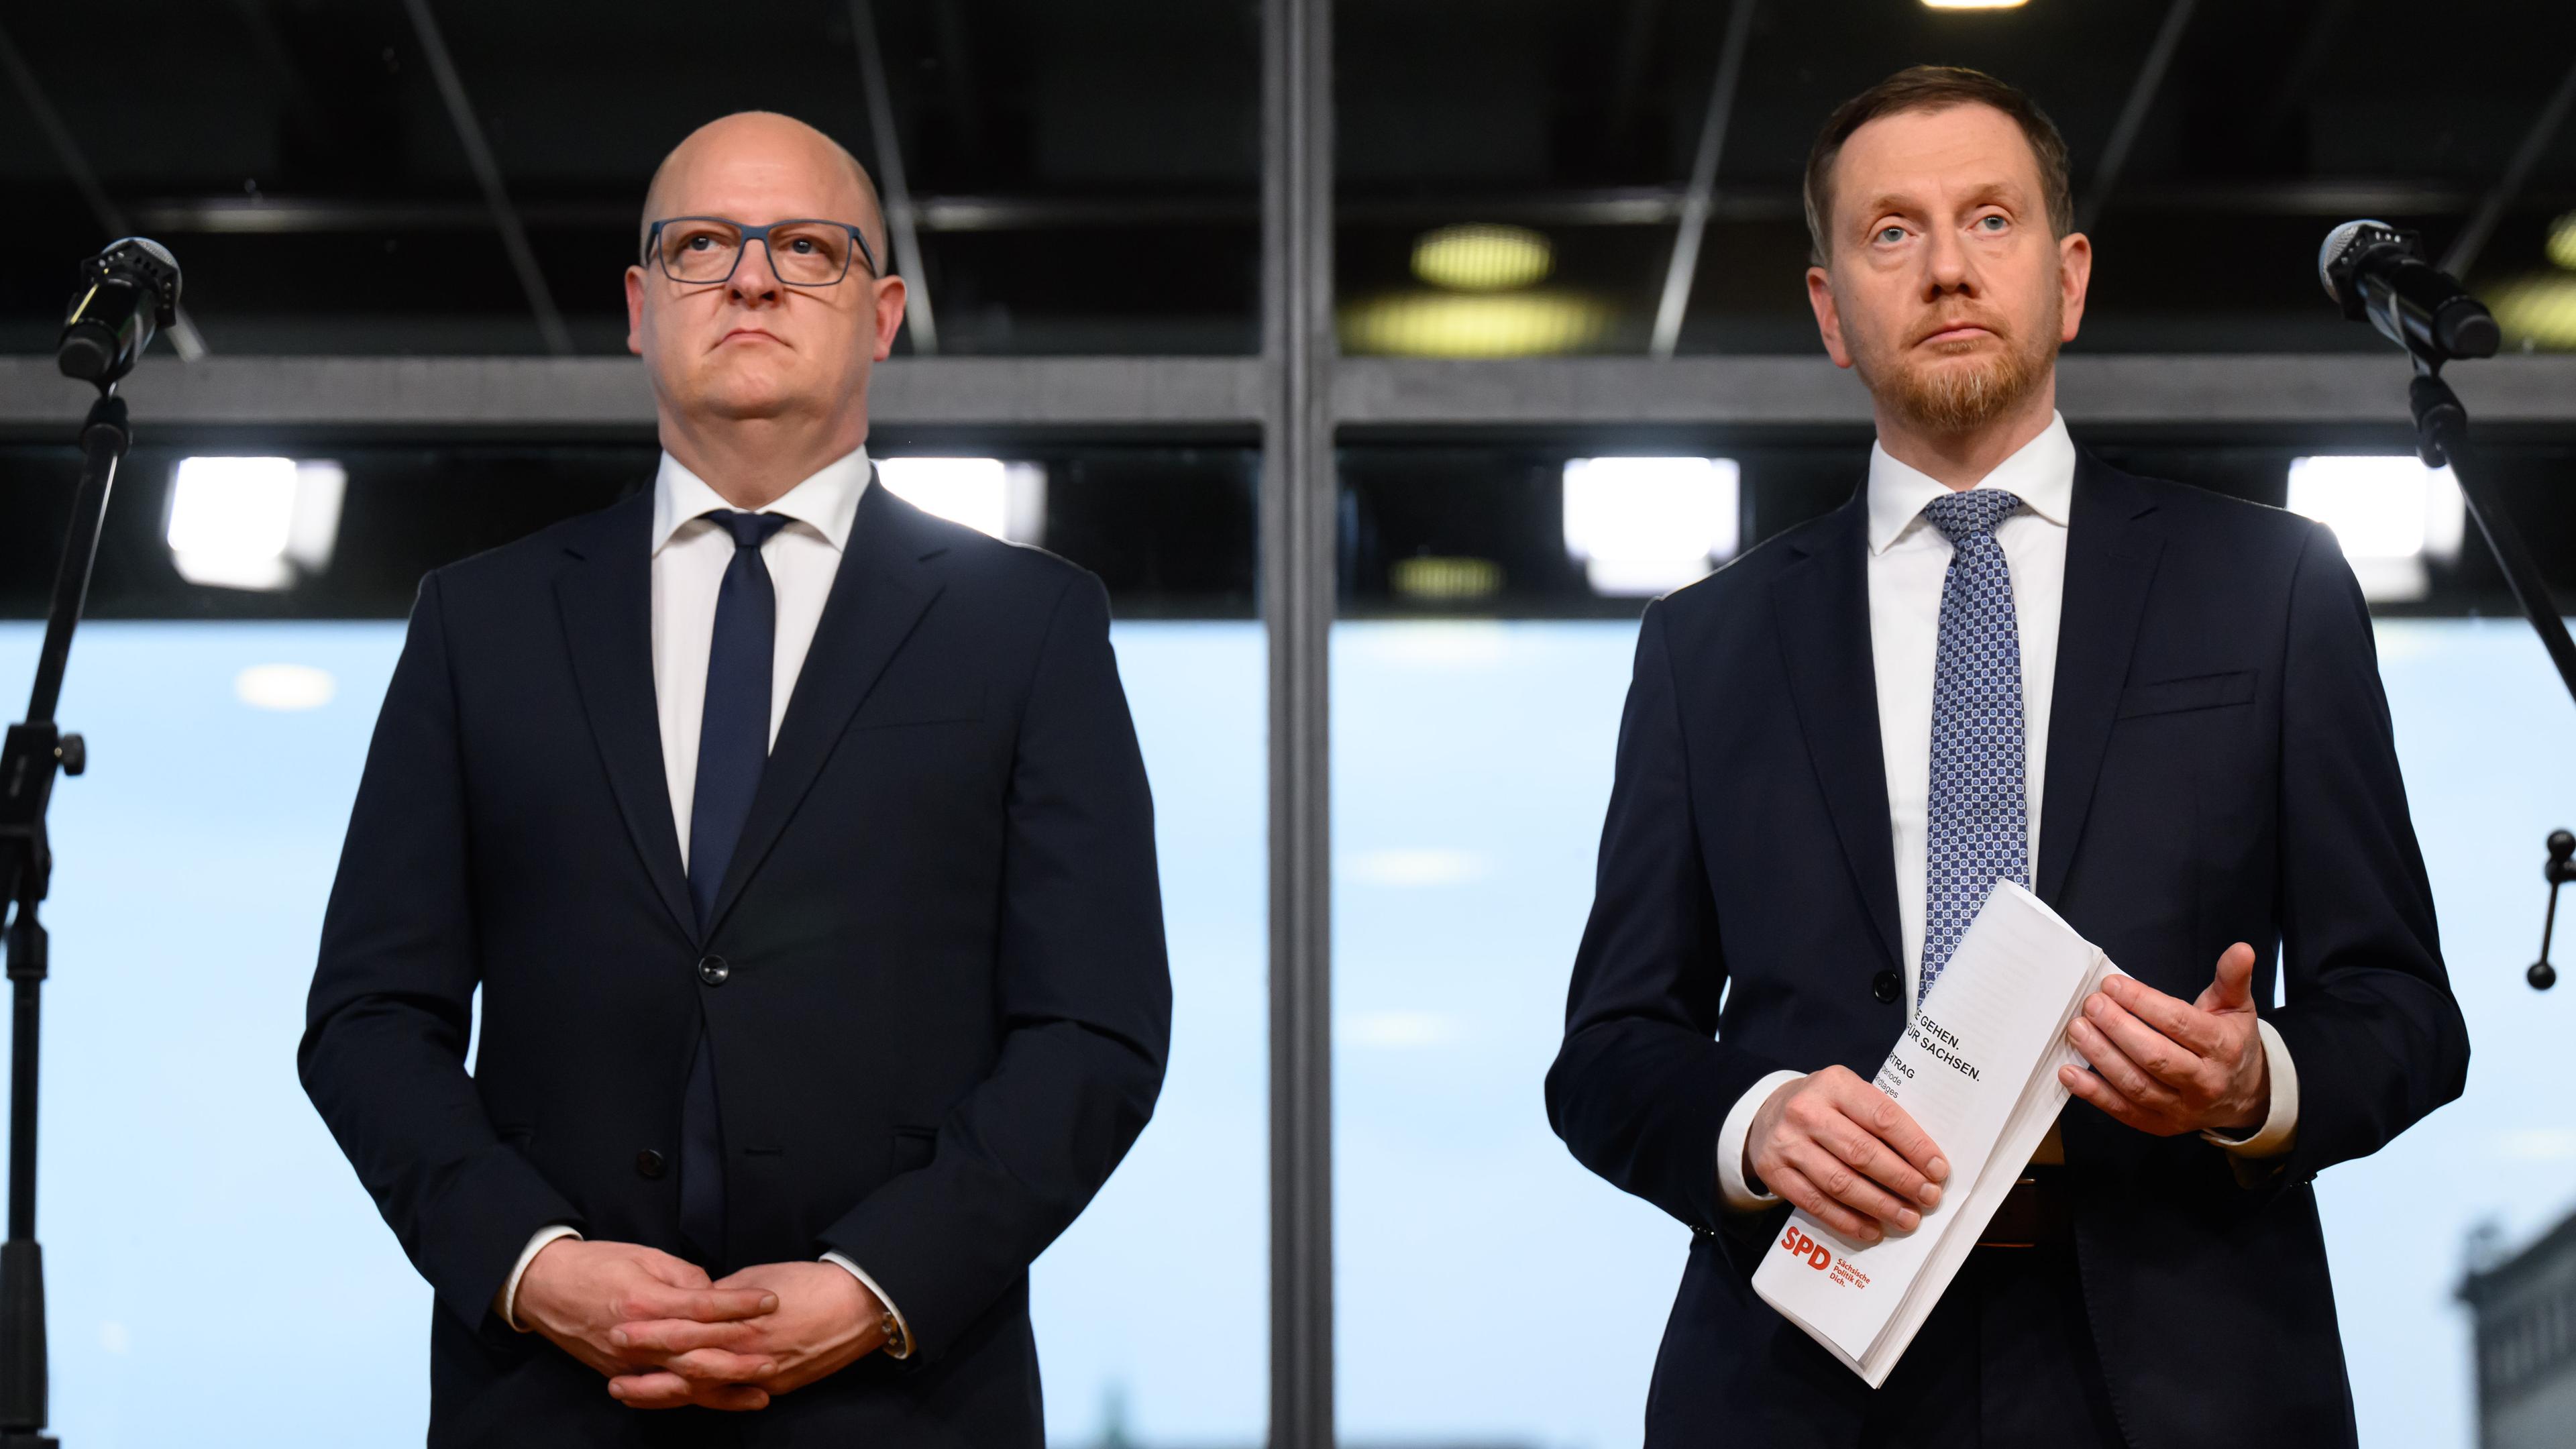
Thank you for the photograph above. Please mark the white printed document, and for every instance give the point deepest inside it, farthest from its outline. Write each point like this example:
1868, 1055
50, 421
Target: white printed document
1977, 1068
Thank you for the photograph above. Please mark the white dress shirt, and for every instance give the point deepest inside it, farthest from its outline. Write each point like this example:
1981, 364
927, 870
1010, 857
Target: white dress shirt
1909, 562
690, 556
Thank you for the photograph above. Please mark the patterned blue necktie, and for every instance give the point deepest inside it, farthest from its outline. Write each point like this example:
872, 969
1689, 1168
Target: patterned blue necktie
1978, 829
733, 748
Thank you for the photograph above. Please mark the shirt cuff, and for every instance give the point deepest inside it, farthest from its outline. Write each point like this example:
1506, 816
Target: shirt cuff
1733, 1191
2281, 1124
899, 1346
507, 1304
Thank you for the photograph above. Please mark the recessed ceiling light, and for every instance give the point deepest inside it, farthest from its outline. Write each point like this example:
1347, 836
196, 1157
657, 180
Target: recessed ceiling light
2538, 310
1398, 1030
1974, 4
2389, 514
1482, 258
1644, 526
1436, 579
1005, 500
2562, 241
253, 523
285, 686
1413, 869
1471, 324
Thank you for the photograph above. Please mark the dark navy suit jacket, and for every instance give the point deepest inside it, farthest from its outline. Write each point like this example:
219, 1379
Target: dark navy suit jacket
948, 1004
2220, 768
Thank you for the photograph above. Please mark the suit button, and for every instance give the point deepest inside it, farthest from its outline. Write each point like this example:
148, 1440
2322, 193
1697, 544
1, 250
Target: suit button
649, 1165
713, 970
1884, 986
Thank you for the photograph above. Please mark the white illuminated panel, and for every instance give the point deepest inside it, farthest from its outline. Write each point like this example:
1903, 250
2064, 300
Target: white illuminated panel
285, 686
1005, 500
253, 523
1413, 868
2390, 514
1642, 526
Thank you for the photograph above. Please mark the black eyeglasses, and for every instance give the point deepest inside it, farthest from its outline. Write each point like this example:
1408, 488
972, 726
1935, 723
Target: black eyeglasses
702, 251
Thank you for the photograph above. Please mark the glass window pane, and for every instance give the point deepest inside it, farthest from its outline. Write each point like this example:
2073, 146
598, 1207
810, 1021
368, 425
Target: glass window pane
195, 856
1472, 754
1169, 529
1470, 758
1152, 1312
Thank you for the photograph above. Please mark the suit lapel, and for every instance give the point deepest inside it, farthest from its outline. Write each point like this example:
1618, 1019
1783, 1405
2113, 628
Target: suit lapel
605, 593
2112, 544
878, 594
1821, 605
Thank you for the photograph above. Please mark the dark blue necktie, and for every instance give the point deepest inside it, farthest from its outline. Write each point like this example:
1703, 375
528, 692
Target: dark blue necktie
733, 746
1978, 827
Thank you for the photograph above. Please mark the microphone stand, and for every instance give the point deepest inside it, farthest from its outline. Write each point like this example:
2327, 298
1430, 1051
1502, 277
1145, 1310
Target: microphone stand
31, 753
2442, 436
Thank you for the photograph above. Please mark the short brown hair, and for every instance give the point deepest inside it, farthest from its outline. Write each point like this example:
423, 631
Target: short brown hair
1936, 88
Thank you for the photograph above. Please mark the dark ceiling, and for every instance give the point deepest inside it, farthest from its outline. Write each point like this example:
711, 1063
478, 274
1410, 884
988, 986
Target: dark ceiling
1087, 174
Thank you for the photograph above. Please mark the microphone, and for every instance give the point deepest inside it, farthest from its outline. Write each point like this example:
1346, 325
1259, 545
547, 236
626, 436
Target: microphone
125, 292
2378, 273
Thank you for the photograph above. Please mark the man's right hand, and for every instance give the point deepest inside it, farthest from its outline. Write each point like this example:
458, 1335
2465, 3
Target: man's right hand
1845, 1152
575, 1291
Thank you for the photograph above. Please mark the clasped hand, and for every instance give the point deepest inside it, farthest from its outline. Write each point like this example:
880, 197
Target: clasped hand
1841, 1149
666, 1336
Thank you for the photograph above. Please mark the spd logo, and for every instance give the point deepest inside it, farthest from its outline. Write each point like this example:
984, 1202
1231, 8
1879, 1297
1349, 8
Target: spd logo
1799, 1245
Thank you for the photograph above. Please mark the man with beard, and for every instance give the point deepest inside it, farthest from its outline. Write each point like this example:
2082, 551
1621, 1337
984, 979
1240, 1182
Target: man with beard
1832, 750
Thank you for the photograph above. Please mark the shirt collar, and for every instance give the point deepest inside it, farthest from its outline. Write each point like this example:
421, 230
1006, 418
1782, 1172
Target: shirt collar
826, 502
2042, 471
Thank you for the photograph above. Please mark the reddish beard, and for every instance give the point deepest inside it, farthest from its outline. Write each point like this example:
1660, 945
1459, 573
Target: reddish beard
1952, 395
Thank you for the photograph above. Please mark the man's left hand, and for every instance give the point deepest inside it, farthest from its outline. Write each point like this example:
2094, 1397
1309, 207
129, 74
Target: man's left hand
826, 1320
2167, 1066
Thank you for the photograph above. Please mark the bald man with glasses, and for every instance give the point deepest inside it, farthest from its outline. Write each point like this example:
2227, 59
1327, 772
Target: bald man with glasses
799, 846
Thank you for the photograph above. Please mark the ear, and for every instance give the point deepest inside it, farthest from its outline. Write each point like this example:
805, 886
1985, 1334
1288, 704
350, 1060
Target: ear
2074, 274
1829, 318
890, 298
635, 310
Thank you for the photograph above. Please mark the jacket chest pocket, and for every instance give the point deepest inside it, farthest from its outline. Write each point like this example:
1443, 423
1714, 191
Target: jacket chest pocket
928, 704
2192, 692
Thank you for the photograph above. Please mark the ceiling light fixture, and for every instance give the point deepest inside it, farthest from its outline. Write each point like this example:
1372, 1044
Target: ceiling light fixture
285, 686
1645, 526
2562, 241
1474, 324
1435, 579
2389, 513
2537, 311
1005, 500
253, 523
1481, 257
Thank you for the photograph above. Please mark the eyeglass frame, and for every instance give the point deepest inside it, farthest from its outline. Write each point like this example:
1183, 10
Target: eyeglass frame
653, 259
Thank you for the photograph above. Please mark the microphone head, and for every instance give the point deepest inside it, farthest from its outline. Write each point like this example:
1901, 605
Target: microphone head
124, 293
155, 248
152, 263
2339, 242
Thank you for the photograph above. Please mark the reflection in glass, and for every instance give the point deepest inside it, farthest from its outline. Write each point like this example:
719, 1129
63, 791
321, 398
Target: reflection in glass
1471, 763
193, 862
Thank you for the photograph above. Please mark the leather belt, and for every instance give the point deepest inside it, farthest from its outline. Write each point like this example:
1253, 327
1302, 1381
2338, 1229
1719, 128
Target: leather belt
2034, 1214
